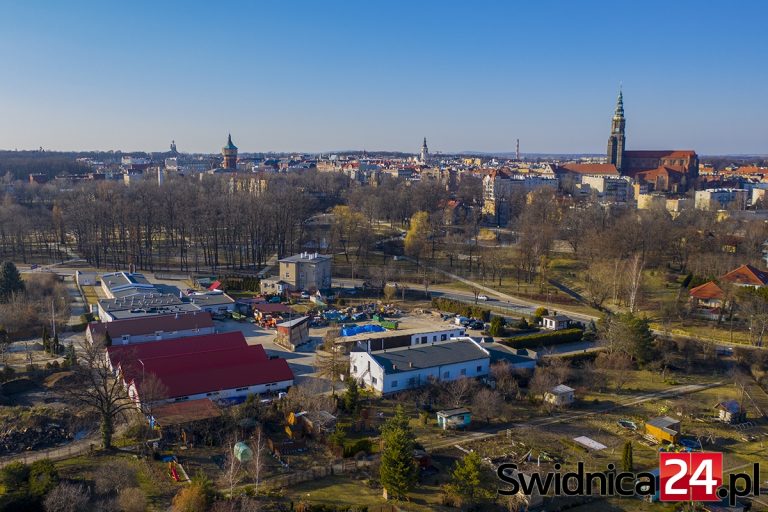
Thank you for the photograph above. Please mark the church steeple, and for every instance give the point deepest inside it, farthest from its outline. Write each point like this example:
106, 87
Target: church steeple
617, 138
424, 155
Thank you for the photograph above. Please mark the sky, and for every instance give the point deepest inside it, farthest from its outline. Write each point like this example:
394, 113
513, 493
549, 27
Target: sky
325, 75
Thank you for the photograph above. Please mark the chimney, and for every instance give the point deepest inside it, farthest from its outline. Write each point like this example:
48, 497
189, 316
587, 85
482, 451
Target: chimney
394, 366
410, 364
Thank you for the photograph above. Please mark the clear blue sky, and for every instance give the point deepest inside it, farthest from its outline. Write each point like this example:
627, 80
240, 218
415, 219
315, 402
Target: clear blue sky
326, 75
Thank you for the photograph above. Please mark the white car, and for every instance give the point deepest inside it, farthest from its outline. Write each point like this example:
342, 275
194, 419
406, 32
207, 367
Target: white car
304, 295
482, 297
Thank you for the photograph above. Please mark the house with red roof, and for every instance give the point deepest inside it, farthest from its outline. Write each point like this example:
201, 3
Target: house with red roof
707, 300
747, 275
220, 367
152, 328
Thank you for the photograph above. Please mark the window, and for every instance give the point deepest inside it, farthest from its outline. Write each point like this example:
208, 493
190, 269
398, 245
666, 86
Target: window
463, 371
354, 368
423, 339
394, 383
181, 398
479, 369
443, 337
242, 389
446, 375
373, 380
212, 393
434, 338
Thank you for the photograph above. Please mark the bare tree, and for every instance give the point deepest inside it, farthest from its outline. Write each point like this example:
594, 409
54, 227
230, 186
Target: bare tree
506, 383
67, 497
459, 390
635, 271
486, 404
256, 464
97, 388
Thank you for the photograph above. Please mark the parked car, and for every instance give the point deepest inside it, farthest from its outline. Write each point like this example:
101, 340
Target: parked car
476, 325
482, 297
304, 295
274, 300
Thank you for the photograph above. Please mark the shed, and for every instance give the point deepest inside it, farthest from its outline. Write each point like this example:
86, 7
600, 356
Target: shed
555, 322
731, 412
454, 418
560, 395
663, 428
293, 333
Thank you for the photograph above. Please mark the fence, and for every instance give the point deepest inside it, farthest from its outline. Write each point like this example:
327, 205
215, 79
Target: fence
348, 466
55, 453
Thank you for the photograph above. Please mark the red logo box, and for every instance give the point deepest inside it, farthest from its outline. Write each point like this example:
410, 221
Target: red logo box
690, 476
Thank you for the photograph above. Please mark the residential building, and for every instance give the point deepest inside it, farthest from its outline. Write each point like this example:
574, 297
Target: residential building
152, 328
651, 201
390, 371
612, 189
721, 199
707, 300
747, 275
221, 367
500, 184
731, 412
305, 271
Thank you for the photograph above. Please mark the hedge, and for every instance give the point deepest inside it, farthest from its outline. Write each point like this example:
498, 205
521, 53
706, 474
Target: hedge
462, 308
545, 338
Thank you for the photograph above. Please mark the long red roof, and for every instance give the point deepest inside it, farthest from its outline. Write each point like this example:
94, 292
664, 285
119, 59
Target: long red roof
152, 324
200, 364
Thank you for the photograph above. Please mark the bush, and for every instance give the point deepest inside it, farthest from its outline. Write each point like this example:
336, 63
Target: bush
14, 476
461, 308
42, 477
545, 338
361, 445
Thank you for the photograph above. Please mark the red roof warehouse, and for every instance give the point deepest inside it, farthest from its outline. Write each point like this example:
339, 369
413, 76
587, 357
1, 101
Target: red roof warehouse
217, 366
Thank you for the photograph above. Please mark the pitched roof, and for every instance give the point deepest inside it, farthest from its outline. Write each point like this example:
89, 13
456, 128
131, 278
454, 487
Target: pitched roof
152, 324
708, 290
664, 153
609, 169
747, 275
428, 356
200, 364
675, 172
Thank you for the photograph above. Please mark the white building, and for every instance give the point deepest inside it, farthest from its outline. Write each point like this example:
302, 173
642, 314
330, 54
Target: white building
390, 371
721, 199
613, 189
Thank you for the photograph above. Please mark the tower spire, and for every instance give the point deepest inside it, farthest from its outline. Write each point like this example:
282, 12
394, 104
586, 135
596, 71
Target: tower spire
620, 104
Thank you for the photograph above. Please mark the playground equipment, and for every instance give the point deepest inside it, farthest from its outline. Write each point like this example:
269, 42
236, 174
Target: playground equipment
243, 452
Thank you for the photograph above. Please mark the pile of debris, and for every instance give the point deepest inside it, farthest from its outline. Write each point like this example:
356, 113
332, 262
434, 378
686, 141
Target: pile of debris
15, 440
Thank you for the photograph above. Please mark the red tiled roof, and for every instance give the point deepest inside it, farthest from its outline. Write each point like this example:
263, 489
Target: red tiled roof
747, 275
672, 153
152, 324
751, 169
200, 364
708, 290
588, 168
675, 172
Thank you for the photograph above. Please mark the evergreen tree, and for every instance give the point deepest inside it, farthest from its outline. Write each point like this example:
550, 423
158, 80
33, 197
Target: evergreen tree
352, 396
627, 464
398, 471
71, 356
10, 281
466, 481
497, 326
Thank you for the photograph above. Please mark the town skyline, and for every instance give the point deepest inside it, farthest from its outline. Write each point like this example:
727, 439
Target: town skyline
320, 79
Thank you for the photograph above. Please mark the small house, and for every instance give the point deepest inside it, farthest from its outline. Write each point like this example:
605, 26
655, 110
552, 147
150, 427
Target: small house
731, 412
560, 395
555, 322
663, 429
454, 418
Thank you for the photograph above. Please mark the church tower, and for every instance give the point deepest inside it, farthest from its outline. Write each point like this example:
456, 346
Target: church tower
424, 155
616, 140
229, 152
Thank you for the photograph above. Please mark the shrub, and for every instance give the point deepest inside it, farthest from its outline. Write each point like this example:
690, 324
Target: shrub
545, 338
461, 308
42, 477
361, 445
14, 476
